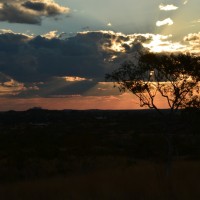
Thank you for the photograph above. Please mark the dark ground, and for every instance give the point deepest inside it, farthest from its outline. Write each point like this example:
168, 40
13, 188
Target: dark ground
38, 145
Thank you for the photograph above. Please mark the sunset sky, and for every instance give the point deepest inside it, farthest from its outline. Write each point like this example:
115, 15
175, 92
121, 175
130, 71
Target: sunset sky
55, 54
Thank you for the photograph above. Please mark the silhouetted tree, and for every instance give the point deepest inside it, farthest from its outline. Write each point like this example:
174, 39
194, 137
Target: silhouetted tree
175, 76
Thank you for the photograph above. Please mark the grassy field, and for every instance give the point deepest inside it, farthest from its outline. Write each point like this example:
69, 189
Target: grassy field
111, 155
141, 181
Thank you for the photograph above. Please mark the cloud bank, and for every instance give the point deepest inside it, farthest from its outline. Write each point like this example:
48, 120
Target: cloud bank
29, 11
194, 41
87, 54
51, 65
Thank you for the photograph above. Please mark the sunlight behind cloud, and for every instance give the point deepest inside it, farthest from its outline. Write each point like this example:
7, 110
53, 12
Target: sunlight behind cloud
75, 78
11, 87
116, 46
161, 43
50, 35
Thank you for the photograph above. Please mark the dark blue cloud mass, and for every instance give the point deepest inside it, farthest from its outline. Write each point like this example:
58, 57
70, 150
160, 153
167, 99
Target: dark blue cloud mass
51, 64
37, 58
34, 59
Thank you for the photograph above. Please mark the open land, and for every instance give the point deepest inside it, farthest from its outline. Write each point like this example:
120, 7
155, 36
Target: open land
97, 154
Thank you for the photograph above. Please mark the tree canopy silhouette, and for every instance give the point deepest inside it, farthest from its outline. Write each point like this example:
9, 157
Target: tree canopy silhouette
174, 76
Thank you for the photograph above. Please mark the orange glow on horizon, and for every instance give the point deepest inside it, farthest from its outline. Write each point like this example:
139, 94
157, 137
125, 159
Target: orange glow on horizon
119, 102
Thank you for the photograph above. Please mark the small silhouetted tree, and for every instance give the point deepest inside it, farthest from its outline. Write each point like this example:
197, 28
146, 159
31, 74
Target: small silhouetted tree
174, 76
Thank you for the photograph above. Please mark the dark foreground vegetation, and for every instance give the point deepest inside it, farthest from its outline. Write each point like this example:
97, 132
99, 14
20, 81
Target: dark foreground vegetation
112, 155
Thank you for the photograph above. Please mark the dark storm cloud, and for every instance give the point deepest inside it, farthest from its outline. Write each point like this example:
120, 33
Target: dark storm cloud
37, 6
87, 55
29, 12
51, 64
28, 58
49, 9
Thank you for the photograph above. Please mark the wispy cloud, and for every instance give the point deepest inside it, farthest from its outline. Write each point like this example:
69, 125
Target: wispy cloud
167, 21
168, 7
195, 21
